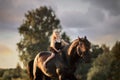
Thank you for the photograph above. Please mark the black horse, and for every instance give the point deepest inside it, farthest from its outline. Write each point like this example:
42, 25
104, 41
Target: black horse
63, 65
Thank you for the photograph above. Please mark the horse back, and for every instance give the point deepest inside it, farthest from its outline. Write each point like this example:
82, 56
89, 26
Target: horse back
44, 55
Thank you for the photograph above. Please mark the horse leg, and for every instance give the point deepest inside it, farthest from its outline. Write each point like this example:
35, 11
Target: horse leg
39, 74
59, 73
30, 70
72, 77
63, 77
47, 78
60, 77
67, 77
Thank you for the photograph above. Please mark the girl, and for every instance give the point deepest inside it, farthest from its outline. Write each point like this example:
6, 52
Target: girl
56, 44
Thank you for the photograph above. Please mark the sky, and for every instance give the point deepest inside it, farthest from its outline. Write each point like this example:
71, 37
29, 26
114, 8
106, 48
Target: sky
99, 20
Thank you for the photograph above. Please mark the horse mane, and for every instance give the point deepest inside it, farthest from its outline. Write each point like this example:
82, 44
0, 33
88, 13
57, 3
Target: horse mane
72, 46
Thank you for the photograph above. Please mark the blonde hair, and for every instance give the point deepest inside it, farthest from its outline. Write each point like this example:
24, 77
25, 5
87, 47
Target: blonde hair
55, 35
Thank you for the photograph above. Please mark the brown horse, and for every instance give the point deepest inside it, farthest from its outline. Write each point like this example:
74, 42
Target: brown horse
63, 65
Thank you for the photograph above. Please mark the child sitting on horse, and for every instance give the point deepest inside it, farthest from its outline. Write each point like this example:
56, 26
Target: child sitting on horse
56, 44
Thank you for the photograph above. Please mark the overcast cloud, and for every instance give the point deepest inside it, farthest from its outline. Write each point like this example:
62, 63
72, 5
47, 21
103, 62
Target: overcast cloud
94, 18
112, 6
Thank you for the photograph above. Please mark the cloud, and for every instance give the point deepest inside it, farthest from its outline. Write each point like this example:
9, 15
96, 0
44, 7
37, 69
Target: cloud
88, 17
74, 19
100, 21
10, 16
12, 12
77, 19
112, 6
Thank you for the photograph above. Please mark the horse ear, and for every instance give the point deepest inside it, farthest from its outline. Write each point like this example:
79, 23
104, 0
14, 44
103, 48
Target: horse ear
79, 38
85, 37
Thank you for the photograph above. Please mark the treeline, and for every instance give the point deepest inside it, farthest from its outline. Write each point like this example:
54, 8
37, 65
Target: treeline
14, 74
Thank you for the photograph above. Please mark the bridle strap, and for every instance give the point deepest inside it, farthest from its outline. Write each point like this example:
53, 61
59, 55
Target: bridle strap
78, 50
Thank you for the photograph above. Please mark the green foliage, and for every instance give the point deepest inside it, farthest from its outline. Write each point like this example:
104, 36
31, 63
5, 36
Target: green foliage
65, 37
105, 48
17, 74
82, 70
101, 67
116, 50
115, 70
96, 50
35, 32
12, 73
1, 72
6, 75
105, 66
115, 66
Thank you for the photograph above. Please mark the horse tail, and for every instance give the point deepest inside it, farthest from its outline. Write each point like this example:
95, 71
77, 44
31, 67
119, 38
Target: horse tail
30, 69
35, 65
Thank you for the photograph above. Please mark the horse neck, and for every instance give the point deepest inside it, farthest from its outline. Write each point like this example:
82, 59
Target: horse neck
73, 58
72, 53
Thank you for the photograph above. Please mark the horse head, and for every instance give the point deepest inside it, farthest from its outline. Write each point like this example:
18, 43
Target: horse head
83, 48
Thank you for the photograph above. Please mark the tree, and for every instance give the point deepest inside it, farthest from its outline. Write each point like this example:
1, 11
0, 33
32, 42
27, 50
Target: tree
115, 66
82, 70
116, 50
105, 48
35, 32
106, 66
18, 71
65, 37
2, 72
101, 67
96, 50
6, 75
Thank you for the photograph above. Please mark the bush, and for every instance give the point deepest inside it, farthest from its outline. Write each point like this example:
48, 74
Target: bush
101, 67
